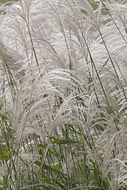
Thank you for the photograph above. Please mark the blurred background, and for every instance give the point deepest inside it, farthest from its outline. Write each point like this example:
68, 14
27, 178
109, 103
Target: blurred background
4, 1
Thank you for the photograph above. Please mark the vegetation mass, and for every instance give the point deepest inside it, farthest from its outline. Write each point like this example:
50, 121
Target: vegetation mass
63, 95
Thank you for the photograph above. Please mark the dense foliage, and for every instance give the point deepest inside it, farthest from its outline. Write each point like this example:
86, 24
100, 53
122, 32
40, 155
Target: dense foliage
63, 95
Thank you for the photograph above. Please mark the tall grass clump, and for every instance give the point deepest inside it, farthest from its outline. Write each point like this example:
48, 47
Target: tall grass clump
63, 95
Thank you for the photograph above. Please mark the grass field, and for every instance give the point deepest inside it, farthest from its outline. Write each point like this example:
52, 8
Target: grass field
63, 95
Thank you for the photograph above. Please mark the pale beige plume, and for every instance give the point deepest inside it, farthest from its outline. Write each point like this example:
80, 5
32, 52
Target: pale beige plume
11, 60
